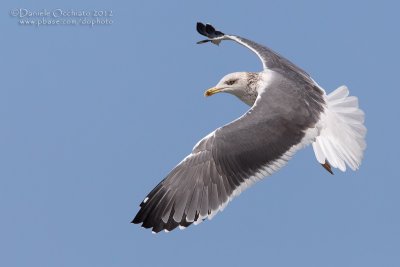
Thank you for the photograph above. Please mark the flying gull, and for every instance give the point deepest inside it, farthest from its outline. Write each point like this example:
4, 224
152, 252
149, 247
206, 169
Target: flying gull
288, 111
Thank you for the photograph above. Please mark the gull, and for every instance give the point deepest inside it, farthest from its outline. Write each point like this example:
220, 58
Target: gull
288, 111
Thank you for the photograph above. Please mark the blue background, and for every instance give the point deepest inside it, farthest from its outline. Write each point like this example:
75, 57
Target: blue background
92, 118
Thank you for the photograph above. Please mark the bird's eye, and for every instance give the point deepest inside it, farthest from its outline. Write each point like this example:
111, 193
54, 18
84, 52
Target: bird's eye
230, 82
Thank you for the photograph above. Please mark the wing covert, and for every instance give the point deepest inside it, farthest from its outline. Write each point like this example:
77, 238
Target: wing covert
231, 158
269, 58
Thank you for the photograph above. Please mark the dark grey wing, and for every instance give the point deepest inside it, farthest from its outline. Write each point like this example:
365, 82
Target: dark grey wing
234, 156
269, 58
192, 191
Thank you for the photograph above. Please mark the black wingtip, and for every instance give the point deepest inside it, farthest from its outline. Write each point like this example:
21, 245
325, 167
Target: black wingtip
203, 41
201, 28
208, 30
136, 220
153, 221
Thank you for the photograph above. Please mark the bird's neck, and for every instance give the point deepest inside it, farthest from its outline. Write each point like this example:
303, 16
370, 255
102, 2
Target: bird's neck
250, 93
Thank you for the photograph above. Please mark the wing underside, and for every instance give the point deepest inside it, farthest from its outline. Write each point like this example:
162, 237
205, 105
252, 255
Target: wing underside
230, 159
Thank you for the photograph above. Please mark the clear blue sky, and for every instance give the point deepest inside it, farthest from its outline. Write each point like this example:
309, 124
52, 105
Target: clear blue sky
92, 118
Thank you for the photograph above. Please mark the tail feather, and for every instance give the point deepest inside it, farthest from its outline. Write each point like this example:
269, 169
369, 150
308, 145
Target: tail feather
342, 134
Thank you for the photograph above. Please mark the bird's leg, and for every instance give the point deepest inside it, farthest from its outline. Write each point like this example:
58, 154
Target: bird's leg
327, 167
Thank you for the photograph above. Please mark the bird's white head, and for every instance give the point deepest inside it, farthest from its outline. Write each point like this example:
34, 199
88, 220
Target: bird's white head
241, 84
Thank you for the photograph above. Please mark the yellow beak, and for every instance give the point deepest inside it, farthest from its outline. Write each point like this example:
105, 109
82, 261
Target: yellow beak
212, 91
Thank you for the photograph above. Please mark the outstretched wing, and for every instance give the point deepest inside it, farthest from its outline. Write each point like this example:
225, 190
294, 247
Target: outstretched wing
269, 58
233, 157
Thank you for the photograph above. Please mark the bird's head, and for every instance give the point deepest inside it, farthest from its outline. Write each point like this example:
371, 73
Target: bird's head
241, 84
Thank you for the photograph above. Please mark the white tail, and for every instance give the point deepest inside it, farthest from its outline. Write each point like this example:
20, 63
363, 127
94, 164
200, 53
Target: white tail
341, 140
